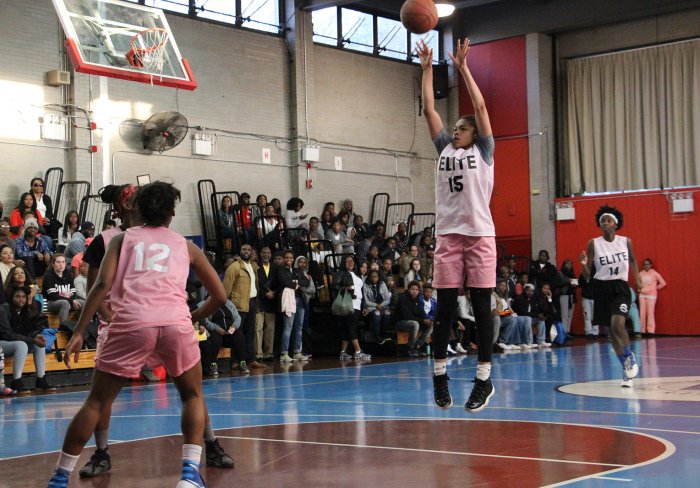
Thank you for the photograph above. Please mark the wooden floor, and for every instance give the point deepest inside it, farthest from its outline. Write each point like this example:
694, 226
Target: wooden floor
558, 418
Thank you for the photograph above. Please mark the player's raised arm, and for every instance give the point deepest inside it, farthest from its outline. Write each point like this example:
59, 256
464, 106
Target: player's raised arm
425, 54
483, 124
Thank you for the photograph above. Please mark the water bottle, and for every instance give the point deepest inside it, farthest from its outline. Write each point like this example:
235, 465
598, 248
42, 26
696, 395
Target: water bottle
427, 350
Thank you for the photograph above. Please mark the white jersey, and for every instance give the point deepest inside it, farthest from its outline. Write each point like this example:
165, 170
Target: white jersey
612, 260
463, 187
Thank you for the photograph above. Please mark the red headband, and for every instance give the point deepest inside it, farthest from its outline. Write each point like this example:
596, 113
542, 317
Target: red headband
124, 197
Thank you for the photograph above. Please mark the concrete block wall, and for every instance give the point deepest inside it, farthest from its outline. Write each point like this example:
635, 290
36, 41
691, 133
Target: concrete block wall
29, 49
244, 97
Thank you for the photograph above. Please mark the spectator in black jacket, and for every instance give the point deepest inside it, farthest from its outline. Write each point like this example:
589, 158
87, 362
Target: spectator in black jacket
58, 289
290, 286
20, 334
345, 280
547, 308
526, 305
266, 310
224, 331
412, 319
587, 296
542, 271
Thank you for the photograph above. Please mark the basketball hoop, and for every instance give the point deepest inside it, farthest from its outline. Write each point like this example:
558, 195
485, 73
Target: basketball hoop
147, 50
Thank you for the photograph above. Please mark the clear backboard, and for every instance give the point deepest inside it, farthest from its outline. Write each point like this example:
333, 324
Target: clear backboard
123, 40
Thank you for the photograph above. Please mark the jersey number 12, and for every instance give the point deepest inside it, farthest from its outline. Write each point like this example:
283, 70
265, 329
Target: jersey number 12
159, 252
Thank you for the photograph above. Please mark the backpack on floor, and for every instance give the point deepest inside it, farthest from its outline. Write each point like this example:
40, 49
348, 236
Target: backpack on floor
557, 333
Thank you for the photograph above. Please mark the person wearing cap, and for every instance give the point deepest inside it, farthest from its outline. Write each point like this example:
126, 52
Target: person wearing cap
78, 243
5, 239
32, 250
526, 305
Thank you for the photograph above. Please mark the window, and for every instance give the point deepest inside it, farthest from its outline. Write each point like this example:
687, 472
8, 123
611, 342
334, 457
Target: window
220, 10
180, 6
392, 38
432, 39
358, 30
325, 22
263, 15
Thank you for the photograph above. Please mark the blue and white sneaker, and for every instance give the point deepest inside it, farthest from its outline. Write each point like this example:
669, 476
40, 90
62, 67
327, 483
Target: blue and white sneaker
626, 382
190, 477
630, 366
59, 479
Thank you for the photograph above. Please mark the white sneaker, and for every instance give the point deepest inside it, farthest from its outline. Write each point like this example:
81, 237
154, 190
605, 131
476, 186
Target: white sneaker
460, 349
532, 346
630, 367
300, 357
503, 346
451, 351
284, 358
626, 382
544, 345
524, 347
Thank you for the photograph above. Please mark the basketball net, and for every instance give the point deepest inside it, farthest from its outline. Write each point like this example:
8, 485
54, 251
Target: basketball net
147, 51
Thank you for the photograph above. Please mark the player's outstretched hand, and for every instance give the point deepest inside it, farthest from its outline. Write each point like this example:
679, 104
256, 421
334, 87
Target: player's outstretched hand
74, 346
425, 54
459, 59
583, 258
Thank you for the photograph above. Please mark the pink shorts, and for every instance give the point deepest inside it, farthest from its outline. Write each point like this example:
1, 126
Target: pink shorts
124, 353
457, 255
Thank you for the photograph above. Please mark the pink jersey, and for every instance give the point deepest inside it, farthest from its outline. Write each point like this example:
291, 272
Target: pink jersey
149, 286
651, 281
463, 186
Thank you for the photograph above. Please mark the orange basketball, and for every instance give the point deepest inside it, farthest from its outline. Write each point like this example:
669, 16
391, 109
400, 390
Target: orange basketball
419, 16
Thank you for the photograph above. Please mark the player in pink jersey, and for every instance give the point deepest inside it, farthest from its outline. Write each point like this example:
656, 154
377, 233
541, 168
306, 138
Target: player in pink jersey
609, 259
122, 199
146, 265
466, 242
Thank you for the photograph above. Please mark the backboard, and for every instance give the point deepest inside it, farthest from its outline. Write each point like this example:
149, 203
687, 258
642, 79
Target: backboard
101, 33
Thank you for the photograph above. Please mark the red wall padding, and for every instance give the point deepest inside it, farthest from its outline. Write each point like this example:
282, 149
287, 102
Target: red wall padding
671, 241
500, 71
510, 201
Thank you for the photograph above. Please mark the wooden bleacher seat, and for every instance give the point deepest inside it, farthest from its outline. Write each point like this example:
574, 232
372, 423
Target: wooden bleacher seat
54, 360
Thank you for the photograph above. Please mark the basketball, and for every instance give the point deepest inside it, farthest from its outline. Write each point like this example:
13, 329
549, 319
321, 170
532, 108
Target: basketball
419, 16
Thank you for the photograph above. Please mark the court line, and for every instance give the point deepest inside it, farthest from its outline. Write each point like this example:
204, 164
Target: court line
376, 417
429, 451
610, 478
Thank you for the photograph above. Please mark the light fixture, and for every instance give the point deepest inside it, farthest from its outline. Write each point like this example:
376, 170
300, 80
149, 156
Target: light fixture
444, 9
565, 210
681, 202
203, 143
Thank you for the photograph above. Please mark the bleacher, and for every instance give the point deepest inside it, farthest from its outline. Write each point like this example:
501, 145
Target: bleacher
54, 360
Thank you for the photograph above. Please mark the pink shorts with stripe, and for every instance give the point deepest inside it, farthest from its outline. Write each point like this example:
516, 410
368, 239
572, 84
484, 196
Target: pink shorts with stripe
124, 353
457, 256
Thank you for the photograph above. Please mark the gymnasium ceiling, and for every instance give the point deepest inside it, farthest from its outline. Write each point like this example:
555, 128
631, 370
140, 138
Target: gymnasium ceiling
485, 20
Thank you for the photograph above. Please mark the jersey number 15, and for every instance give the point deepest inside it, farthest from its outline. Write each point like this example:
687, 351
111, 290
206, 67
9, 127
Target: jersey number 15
455, 183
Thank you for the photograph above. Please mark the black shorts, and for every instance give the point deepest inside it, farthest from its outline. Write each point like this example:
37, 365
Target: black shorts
612, 297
